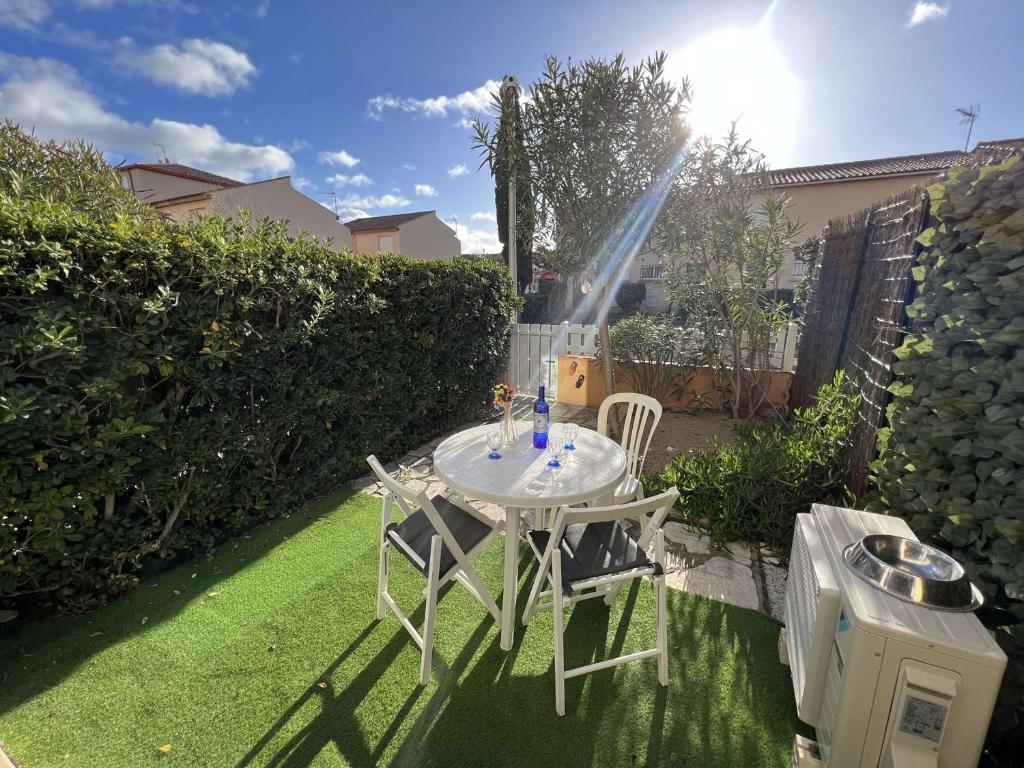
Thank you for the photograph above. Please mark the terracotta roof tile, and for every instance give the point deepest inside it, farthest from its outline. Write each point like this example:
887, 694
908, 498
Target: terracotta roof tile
864, 169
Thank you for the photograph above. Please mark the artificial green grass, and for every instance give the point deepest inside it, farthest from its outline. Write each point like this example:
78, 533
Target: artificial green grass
268, 654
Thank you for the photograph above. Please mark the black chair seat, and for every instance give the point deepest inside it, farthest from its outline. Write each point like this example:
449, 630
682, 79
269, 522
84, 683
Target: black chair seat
590, 550
416, 531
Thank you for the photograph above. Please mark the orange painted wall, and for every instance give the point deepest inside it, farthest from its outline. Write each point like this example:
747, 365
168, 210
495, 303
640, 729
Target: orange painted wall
590, 391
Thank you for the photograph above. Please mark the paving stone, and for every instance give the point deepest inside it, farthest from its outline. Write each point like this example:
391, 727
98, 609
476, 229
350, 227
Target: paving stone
728, 569
775, 586
739, 551
435, 488
686, 537
492, 511
700, 581
419, 484
367, 483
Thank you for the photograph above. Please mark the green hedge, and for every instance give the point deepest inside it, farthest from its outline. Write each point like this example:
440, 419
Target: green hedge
753, 488
162, 387
952, 458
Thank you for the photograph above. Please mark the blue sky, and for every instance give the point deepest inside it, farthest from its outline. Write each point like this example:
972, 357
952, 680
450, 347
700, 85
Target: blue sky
371, 100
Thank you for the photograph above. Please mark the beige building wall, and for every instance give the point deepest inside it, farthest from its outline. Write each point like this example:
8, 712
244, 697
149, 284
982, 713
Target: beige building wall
277, 200
369, 242
151, 187
427, 237
181, 211
814, 205
640, 271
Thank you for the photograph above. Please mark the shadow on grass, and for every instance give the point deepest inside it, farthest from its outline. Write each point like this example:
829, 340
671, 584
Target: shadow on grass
728, 704
725, 710
43, 652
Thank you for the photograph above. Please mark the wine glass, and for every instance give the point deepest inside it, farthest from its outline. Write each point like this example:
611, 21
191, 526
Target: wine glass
554, 450
571, 430
494, 441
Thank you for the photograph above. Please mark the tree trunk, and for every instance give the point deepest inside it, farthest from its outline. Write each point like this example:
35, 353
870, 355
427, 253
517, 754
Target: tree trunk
608, 367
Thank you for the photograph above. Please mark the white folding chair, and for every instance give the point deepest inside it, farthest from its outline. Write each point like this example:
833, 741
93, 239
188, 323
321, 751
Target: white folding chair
641, 419
439, 537
588, 554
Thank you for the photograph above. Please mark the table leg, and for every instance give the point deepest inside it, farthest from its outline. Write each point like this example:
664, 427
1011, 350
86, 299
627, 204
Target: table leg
508, 598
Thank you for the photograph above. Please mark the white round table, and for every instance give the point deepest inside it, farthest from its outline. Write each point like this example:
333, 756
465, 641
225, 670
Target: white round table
521, 479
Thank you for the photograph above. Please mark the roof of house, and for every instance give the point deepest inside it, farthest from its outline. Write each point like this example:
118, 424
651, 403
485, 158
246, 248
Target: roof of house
184, 171
393, 221
904, 165
866, 169
998, 150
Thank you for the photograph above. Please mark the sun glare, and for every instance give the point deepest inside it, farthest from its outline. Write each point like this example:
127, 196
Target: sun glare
740, 74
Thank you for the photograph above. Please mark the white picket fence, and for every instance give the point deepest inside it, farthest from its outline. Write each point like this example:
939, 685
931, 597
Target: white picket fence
535, 351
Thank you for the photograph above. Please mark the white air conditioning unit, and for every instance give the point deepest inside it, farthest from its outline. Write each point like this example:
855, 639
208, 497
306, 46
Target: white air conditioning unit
886, 683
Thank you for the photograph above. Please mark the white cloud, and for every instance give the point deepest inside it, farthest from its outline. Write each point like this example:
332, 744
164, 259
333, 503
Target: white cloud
170, 5
458, 170
340, 157
923, 11
49, 98
197, 66
300, 182
262, 8
409, 167
341, 180
368, 202
467, 103
23, 14
478, 240
425, 190
485, 216
348, 214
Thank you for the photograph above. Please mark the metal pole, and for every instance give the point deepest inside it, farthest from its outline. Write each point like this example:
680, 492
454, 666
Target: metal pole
511, 88
513, 265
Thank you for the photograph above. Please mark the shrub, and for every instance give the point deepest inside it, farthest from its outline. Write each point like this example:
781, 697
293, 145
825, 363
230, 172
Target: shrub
752, 488
650, 357
630, 296
162, 387
952, 457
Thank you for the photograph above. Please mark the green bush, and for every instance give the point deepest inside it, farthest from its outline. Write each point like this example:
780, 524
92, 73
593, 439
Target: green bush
952, 457
162, 387
630, 296
650, 355
753, 488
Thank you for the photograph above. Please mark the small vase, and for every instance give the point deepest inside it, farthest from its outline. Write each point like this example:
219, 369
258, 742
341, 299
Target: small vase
508, 426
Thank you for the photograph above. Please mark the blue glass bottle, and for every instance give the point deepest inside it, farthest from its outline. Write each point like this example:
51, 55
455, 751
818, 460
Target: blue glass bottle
540, 421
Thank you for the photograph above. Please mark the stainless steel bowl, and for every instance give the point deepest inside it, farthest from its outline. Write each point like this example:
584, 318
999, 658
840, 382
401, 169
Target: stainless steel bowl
913, 572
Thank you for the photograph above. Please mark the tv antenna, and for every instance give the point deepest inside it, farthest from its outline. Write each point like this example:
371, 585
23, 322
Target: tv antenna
334, 199
163, 153
967, 117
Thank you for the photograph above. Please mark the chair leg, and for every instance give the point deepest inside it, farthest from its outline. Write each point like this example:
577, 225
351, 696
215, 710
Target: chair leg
433, 576
662, 618
382, 579
383, 565
556, 577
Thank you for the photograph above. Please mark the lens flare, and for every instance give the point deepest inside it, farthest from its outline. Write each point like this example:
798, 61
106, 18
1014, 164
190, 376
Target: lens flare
610, 265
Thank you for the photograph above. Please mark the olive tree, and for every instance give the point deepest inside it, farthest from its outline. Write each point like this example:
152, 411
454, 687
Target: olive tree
598, 135
727, 233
